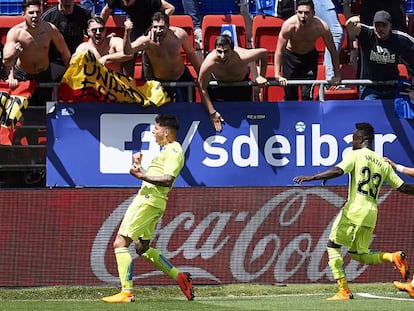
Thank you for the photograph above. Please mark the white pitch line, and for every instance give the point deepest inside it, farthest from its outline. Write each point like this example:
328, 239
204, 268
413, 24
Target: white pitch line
368, 295
254, 296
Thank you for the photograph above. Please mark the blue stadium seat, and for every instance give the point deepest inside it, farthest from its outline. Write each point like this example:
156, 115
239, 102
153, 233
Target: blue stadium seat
410, 7
10, 7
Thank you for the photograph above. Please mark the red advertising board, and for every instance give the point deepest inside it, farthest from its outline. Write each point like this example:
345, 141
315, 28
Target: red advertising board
221, 235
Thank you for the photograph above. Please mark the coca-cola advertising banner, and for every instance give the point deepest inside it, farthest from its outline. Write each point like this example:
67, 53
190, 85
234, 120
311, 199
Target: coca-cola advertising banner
262, 144
220, 235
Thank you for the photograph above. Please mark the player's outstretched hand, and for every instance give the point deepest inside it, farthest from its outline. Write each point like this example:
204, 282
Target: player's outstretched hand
301, 178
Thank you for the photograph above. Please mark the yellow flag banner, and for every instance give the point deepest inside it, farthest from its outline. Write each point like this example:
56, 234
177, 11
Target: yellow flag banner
86, 79
13, 102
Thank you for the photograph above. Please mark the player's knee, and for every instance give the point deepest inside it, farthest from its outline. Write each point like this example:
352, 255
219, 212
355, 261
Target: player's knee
121, 241
141, 246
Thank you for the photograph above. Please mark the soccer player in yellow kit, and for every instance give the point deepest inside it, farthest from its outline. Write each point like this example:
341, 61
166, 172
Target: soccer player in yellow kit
355, 224
148, 206
409, 285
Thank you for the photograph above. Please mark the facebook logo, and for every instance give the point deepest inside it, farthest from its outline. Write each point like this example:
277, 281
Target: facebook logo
121, 135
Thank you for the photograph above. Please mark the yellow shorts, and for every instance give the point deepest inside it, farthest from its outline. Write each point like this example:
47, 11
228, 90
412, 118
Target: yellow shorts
140, 220
356, 238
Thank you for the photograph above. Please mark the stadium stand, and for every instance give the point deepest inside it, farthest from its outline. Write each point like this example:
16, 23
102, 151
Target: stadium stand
347, 72
272, 93
53, 2
211, 28
265, 32
115, 24
403, 70
211, 6
6, 22
11, 7
410, 7
185, 22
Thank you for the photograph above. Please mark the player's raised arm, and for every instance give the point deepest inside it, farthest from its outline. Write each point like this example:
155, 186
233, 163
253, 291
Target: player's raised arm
328, 174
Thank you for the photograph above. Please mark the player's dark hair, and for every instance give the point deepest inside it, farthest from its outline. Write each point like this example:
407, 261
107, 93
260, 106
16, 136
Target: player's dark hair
223, 40
168, 121
160, 15
366, 131
306, 2
27, 3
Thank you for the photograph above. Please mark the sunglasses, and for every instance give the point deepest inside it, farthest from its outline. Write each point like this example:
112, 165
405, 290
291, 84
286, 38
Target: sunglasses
100, 29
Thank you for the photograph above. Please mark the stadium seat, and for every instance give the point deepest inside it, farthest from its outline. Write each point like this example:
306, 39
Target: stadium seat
272, 93
115, 24
185, 22
211, 29
7, 22
197, 92
53, 2
138, 71
403, 71
344, 92
265, 32
320, 47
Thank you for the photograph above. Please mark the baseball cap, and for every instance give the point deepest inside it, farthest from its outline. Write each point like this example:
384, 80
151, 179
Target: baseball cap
382, 17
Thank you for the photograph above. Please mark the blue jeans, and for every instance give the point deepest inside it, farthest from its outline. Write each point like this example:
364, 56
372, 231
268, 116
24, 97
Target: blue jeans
191, 8
325, 10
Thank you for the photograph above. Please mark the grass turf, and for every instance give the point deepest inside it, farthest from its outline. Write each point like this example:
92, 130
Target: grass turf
228, 297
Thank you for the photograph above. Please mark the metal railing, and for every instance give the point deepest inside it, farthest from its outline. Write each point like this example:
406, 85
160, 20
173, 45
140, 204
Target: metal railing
190, 85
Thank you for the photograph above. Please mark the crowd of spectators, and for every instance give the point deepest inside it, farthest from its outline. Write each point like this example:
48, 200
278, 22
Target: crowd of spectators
40, 47
71, 18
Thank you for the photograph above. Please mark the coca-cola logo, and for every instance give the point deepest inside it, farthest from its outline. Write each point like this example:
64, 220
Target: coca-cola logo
281, 258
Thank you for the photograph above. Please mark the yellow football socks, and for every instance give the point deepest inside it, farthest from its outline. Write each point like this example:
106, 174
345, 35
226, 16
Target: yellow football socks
154, 256
125, 268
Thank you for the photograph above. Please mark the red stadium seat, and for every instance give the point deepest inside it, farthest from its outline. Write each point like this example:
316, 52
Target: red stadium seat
320, 47
185, 22
50, 3
272, 93
211, 29
265, 32
347, 72
403, 71
7, 22
115, 24
197, 93
138, 71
